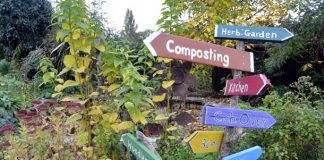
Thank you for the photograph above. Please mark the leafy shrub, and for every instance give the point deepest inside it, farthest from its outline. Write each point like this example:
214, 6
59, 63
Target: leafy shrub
298, 133
4, 67
30, 63
8, 107
174, 150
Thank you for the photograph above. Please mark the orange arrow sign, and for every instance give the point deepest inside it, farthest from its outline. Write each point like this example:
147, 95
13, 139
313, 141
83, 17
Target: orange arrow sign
205, 141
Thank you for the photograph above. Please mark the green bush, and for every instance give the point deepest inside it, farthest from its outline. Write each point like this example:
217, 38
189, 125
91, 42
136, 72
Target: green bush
4, 67
31, 62
298, 133
8, 107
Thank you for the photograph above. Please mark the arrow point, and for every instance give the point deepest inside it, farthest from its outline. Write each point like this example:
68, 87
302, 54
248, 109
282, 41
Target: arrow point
290, 35
148, 40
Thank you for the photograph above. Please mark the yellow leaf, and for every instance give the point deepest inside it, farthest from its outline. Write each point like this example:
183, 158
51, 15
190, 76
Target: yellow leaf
94, 94
112, 118
85, 46
101, 48
89, 150
56, 94
113, 87
96, 112
115, 127
68, 83
125, 125
63, 71
103, 87
84, 62
161, 117
59, 80
76, 34
78, 78
67, 39
159, 98
73, 118
69, 61
59, 108
82, 139
58, 88
158, 72
80, 70
66, 99
167, 84
65, 26
166, 60
110, 79
173, 128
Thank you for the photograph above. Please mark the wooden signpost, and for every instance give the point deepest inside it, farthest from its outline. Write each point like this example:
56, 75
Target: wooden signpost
220, 116
252, 33
248, 85
249, 154
234, 87
140, 151
205, 141
175, 47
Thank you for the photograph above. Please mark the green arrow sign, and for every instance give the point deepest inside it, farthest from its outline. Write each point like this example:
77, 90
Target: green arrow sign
140, 151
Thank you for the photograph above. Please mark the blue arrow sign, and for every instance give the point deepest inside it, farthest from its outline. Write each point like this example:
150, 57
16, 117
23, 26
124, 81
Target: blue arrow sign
219, 116
249, 154
252, 33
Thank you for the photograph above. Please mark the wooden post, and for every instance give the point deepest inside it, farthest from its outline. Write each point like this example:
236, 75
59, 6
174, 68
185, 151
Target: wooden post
232, 134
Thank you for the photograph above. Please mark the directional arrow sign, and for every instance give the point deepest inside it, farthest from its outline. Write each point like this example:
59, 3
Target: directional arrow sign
219, 116
249, 154
175, 47
205, 141
252, 33
249, 85
140, 151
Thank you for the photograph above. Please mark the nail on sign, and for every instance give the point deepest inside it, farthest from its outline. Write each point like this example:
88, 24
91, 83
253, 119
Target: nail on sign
219, 116
248, 85
205, 141
140, 151
249, 154
252, 33
175, 47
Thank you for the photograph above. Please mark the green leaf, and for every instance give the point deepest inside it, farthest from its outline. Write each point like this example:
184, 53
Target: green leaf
173, 128
76, 34
63, 71
73, 118
82, 139
136, 115
101, 47
69, 61
48, 76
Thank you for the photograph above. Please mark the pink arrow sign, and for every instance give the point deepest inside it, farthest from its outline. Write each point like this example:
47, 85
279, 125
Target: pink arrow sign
175, 47
249, 85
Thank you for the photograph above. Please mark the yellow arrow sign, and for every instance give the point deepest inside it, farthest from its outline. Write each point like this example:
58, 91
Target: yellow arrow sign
205, 141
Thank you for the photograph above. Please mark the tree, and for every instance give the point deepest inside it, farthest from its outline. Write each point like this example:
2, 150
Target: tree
304, 53
129, 32
22, 25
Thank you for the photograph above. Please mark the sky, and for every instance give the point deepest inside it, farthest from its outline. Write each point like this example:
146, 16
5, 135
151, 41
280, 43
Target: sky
146, 13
